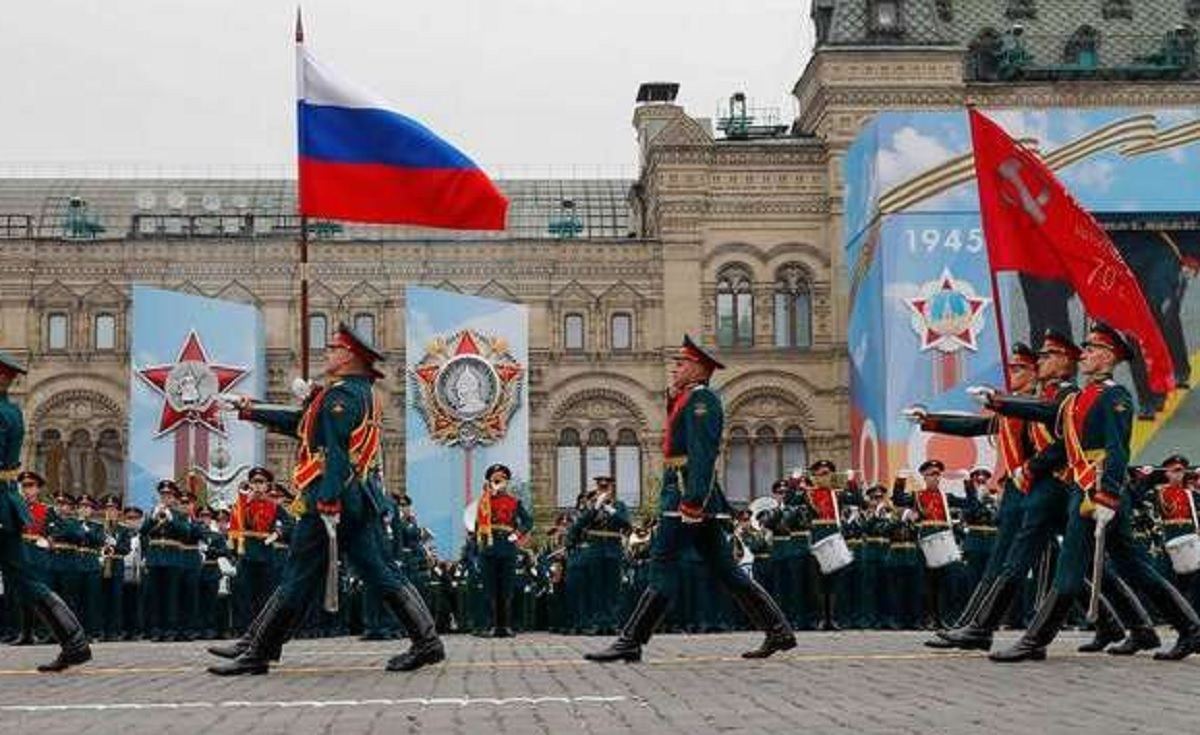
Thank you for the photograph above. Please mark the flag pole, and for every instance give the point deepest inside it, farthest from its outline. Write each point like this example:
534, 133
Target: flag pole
997, 304
304, 335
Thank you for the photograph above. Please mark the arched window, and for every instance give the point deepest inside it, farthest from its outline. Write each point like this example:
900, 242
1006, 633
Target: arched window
628, 473
737, 466
795, 450
110, 464
621, 334
1082, 48
105, 337
793, 307
573, 332
766, 461
49, 456
79, 462
983, 56
318, 331
570, 468
735, 307
597, 457
364, 324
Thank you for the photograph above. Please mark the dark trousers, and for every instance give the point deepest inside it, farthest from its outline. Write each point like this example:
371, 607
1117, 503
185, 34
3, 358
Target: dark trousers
605, 589
20, 577
360, 542
1044, 515
499, 571
191, 620
162, 600
112, 601
254, 583
710, 543
131, 610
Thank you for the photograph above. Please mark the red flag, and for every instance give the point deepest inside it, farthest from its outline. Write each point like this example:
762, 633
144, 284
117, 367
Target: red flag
1032, 224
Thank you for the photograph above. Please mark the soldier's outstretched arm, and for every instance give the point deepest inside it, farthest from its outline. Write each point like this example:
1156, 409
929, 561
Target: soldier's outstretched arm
1025, 407
956, 425
277, 419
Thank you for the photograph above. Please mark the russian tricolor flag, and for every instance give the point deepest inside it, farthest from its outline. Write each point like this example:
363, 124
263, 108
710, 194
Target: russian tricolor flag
362, 162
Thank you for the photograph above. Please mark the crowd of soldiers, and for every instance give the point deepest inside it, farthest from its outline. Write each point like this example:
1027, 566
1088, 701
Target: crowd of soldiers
185, 571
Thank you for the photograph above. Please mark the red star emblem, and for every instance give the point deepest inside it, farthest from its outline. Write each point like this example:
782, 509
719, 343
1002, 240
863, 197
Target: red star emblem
189, 385
947, 314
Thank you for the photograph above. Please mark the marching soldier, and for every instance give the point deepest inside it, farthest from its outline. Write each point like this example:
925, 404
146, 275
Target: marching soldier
339, 479
1095, 425
1044, 512
689, 500
117, 543
14, 520
502, 521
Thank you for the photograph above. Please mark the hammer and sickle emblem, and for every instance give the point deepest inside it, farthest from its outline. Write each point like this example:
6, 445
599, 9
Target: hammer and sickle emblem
1017, 191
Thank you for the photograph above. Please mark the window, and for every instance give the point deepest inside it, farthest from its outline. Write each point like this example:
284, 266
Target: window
766, 461
629, 468
737, 466
622, 331
793, 308
570, 468
887, 15
1117, 9
1082, 48
795, 450
56, 332
106, 332
573, 332
597, 457
318, 331
364, 324
735, 308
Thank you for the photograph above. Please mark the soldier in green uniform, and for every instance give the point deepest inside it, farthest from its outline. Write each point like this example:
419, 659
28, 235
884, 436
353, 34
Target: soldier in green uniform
79, 541
1095, 426
605, 521
874, 598
131, 587
503, 520
339, 476
63, 563
162, 533
14, 519
37, 554
785, 566
979, 511
191, 566
377, 623
117, 544
905, 567
214, 610
689, 500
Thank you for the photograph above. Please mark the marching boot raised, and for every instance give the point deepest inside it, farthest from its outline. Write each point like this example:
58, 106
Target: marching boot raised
1141, 638
67, 631
1108, 630
238, 647
977, 633
408, 607
650, 609
274, 629
1182, 618
765, 614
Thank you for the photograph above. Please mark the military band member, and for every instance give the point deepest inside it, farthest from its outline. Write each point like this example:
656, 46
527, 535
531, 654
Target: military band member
823, 498
874, 594
339, 479
501, 523
14, 520
605, 521
214, 614
932, 505
689, 501
191, 566
117, 544
37, 553
132, 615
1095, 425
163, 533
254, 518
280, 537
1175, 502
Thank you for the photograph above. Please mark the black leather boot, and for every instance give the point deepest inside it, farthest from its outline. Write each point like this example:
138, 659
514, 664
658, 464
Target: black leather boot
976, 635
1182, 617
275, 628
500, 617
1046, 624
238, 647
764, 613
1108, 630
646, 615
828, 621
1139, 639
65, 627
409, 608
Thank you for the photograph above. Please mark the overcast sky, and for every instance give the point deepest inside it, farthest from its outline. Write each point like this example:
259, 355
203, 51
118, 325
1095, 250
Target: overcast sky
519, 85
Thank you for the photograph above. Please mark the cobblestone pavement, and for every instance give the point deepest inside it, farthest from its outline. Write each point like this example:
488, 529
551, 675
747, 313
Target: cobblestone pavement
853, 682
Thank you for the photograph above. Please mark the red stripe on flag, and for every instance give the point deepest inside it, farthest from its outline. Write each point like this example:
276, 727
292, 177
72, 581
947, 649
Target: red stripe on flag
461, 199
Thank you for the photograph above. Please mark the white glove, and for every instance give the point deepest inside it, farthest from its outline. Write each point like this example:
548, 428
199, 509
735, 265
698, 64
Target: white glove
981, 393
1102, 514
915, 414
1018, 476
42, 543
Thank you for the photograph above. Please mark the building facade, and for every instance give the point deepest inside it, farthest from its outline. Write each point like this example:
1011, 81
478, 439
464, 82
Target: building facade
733, 235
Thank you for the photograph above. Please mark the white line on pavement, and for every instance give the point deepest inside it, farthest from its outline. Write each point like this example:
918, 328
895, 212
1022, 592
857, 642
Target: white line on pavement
316, 704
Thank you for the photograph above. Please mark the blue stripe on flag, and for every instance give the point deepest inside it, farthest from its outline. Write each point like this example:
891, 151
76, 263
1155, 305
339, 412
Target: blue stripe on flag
367, 135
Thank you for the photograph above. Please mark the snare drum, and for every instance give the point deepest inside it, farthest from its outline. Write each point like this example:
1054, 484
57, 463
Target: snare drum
939, 549
1184, 552
832, 553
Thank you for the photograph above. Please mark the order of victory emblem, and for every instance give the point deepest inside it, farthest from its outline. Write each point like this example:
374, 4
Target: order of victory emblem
466, 388
947, 315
